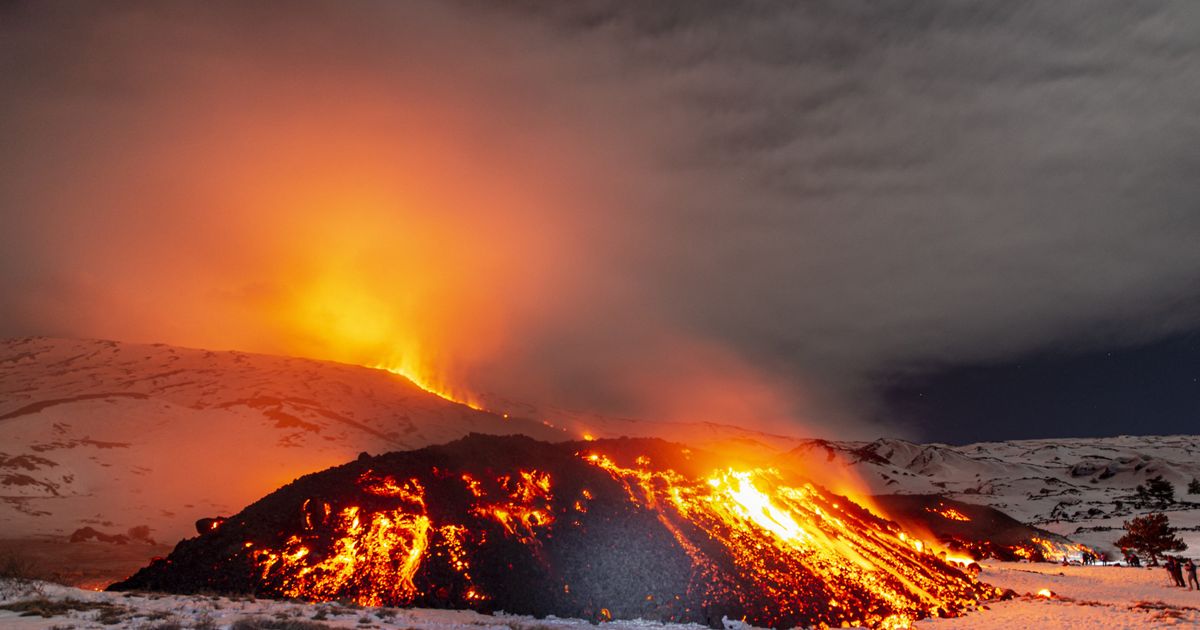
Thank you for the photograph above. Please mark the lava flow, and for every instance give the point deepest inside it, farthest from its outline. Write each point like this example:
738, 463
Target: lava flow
598, 530
422, 377
785, 540
967, 532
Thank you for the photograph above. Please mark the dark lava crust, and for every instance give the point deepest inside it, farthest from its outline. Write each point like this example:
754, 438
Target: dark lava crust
614, 559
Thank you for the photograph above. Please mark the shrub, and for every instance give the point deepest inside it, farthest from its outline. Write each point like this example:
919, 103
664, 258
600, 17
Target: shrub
1151, 535
1157, 492
204, 621
15, 567
47, 608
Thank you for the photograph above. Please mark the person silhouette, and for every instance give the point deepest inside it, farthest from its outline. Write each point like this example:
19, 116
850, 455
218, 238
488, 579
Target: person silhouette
1175, 570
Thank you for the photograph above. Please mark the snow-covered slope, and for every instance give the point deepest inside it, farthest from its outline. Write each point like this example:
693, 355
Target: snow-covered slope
115, 436
103, 434
1082, 488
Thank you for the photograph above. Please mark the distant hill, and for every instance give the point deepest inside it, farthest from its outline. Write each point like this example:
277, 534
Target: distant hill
115, 436
1083, 488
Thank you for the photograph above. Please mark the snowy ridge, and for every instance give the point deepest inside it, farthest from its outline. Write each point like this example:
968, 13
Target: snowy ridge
115, 435
1082, 488
1035, 481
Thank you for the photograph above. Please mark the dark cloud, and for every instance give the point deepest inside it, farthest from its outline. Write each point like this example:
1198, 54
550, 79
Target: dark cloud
818, 192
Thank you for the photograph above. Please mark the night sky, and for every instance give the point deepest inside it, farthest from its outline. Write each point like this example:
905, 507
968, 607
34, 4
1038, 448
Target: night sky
1150, 389
945, 221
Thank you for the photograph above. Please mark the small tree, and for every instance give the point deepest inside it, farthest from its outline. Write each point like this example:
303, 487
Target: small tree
1157, 492
1151, 535
1194, 486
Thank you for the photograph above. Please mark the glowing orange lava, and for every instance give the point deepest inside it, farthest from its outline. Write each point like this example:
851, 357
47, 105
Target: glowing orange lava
379, 553
959, 559
524, 510
426, 380
948, 513
780, 551
749, 509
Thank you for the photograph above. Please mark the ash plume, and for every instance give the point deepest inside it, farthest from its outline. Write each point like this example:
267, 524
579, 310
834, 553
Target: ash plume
675, 210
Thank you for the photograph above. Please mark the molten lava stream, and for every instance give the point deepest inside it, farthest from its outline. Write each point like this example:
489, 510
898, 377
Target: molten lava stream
846, 555
426, 381
375, 554
586, 536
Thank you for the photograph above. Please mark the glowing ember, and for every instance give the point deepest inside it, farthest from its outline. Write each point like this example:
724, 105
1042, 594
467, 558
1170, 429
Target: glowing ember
376, 553
959, 559
525, 509
1045, 593
948, 513
1043, 550
963, 533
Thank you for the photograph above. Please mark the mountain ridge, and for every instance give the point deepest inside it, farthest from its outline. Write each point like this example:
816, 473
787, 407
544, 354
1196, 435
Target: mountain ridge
104, 434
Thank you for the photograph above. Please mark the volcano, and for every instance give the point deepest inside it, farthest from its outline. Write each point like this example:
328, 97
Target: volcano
626, 528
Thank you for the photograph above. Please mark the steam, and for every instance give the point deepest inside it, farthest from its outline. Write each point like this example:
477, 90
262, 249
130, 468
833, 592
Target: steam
683, 214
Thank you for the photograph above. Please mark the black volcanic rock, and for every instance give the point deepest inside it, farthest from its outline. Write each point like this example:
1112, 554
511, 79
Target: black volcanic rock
528, 527
989, 533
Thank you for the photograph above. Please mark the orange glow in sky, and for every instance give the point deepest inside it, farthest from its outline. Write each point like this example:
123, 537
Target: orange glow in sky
463, 233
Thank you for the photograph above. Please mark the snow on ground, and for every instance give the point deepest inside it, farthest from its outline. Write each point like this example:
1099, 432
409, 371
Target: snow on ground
1084, 597
149, 611
1070, 480
1082, 488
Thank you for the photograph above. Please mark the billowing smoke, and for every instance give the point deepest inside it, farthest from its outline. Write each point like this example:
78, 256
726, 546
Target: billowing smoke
676, 211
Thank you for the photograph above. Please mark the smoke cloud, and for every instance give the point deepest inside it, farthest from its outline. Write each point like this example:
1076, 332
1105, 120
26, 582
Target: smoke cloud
677, 210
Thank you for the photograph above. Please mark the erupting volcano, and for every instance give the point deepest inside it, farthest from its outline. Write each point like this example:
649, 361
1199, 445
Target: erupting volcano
600, 530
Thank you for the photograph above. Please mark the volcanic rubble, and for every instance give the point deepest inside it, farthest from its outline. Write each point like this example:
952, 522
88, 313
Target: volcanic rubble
976, 530
628, 528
